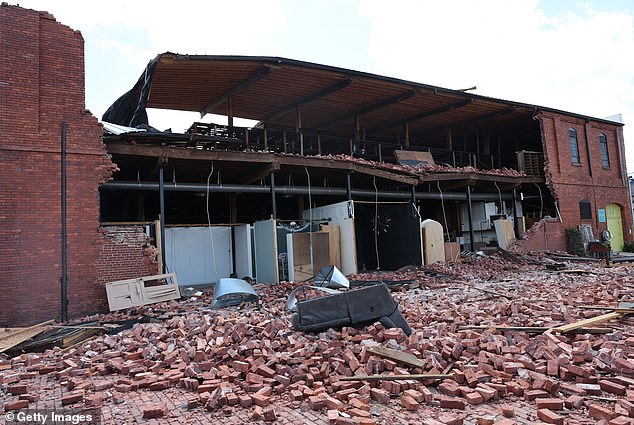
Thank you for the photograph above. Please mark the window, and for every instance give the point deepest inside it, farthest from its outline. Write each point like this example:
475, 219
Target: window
585, 210
605, 158
574, 146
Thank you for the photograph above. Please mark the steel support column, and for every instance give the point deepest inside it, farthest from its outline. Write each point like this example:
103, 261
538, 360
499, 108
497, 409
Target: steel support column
273, 203
469, 213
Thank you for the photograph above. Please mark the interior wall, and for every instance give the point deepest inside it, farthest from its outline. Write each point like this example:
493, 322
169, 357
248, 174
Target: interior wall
198, 255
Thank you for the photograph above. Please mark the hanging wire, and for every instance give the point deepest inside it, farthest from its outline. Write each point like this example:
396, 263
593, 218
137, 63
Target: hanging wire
541, 200
376, 223
444, 214
310, 218
211, 239
500, 195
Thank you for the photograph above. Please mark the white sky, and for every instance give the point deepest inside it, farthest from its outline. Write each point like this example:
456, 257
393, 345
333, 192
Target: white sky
570, 55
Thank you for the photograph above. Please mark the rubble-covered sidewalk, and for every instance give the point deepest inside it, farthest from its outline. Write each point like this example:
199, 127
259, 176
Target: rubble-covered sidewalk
245, 364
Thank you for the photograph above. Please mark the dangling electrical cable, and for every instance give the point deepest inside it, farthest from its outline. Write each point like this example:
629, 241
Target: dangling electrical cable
211, 239
310, 220
376, 223
500, 195
444, 214
541, 200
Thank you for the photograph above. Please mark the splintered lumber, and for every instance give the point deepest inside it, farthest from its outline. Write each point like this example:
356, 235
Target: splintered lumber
396, 355
597, 319
9, 339
395, 377
535, 329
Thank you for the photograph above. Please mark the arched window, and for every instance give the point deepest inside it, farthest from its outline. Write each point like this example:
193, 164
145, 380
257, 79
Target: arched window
574, 146
605, 157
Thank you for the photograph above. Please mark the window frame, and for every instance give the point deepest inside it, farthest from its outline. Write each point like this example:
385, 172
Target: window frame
573, 140
603, 148
585, 210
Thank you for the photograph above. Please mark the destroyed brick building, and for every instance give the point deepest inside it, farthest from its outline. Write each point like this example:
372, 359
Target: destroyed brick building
342, 167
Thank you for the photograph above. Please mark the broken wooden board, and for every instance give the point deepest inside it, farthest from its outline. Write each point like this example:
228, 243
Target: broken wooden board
15, 336
395, 377
397, 356
535, 329
582, 323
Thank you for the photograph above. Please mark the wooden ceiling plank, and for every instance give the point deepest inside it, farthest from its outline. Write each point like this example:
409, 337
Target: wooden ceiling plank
422, 115
308, 99
257, 76
367, 109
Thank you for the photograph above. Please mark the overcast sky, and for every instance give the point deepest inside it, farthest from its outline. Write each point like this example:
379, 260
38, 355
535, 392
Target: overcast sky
571, 55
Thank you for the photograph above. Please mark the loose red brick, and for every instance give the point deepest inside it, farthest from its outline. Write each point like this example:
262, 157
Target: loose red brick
531, 395
451, 419
409, 403
624, 407
474, 397
72, 398
451, 403
507, 411
550, 417
260, 400
549, 403
380, 395
612, 387
16, 405
159, 386
269, 414
154, 410
621, 420
600, 412
17, 389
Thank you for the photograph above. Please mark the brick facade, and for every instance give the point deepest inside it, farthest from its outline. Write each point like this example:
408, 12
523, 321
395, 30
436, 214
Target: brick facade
589, 180
42, 76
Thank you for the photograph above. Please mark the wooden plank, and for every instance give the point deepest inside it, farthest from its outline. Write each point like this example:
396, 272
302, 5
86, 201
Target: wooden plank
19, 335
395, 377
334, 243
616, 309
398, 356
535, 329
586, 322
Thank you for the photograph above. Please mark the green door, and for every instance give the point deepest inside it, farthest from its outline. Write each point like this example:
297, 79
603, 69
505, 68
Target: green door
615, 226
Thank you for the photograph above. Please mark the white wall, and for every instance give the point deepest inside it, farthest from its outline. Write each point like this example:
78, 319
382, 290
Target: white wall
198, 255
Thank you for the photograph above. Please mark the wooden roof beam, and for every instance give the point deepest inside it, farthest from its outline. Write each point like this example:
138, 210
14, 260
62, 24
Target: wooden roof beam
260, 173
366, 109
422, 115
471, 121
308, 99
257, 76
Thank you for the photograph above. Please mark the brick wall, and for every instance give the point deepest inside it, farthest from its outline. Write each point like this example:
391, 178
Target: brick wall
126, 253
588, 181
545, 235
42, 75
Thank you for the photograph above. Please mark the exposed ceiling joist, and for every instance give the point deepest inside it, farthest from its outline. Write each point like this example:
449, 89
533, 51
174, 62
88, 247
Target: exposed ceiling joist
257, 76
308, 99
470, 121
422, 115
260, 173
368, 108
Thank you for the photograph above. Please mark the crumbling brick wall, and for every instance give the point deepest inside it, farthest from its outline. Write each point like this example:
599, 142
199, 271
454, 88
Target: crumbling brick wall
42, 86
126, 253
589, 180
548, 234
